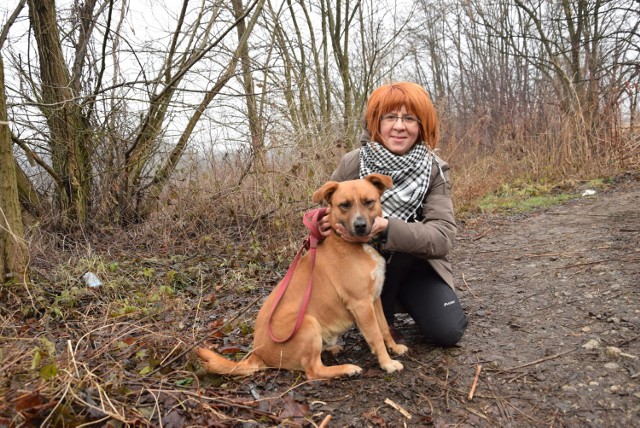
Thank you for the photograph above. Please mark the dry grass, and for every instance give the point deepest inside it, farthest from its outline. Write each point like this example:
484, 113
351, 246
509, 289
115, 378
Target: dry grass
120, 353
563, 154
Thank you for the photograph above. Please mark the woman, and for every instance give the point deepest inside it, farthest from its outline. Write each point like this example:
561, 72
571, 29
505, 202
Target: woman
417, 228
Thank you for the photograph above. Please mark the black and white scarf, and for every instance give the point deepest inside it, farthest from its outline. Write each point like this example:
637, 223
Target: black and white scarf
410, 172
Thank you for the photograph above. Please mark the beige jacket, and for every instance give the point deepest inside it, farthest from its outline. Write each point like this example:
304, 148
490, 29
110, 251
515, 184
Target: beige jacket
431, 238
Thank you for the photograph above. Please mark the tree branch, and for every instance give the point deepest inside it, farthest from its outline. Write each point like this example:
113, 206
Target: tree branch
10, 21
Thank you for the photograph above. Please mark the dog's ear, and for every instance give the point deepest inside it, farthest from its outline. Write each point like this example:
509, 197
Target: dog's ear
325, 192
382, 182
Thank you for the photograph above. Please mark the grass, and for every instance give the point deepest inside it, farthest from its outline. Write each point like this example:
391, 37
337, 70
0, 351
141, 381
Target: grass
519, 197
522, 198
517, 205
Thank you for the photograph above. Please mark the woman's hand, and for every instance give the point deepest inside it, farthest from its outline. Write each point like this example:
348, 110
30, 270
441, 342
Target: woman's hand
380, 225
324, 225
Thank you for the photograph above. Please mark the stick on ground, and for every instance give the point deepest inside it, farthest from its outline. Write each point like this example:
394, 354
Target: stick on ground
475, 382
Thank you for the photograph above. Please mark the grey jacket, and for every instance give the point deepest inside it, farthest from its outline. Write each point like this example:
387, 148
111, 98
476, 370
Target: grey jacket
433, 236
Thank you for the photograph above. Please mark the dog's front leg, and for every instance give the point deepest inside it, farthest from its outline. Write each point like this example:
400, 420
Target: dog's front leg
384, 329
365, 316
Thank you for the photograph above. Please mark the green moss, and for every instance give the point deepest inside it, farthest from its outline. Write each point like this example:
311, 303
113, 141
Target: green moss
520, 198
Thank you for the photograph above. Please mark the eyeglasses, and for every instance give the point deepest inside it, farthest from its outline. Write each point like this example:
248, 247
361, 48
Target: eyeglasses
407, 119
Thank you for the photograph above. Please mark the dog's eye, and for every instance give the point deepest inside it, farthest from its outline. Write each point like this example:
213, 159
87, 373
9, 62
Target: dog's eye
369, 203
345, 205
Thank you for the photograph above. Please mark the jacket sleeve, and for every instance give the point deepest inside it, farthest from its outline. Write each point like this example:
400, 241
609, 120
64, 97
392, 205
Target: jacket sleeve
434, 235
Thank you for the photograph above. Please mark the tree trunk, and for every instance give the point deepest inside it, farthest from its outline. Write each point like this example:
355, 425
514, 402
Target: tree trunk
339, 34
255, 120
70, 139
13, 252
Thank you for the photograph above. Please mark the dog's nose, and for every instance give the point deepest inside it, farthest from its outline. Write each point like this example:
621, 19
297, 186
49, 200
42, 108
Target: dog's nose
360, 226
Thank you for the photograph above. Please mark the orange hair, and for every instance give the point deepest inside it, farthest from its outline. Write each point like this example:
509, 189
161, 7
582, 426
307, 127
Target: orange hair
414, 98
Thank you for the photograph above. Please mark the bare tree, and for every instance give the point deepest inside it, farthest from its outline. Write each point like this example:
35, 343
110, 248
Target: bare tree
102, 156
254, 119
509, 68
162, 176
339, 18
331, 55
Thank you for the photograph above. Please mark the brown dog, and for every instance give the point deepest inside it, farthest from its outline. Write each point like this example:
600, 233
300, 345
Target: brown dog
347, 281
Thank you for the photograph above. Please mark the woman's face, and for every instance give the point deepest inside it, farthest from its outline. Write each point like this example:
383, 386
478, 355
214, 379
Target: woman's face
399, 135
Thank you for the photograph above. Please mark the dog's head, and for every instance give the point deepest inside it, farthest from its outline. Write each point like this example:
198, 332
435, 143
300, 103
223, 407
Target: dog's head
356, 203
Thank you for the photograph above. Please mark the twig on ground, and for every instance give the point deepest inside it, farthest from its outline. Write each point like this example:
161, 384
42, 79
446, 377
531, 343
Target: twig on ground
500, 404
531, 418
482, 235
562, 254
595, 262
627, 341
481, 415
325, 422
446, 387
467, 285
398, 408
540, 360
475, 382
424, 397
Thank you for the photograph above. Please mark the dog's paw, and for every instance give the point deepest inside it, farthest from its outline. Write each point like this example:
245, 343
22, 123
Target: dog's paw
399, 349
393, 366
352, 370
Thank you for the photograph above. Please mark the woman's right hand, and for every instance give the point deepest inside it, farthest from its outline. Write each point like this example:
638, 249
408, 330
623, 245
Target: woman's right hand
325, 224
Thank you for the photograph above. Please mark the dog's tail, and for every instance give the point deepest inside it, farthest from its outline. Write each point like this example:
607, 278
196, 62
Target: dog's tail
216, 363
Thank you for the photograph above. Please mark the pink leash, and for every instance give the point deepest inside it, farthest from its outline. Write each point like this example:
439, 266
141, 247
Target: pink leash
311, 220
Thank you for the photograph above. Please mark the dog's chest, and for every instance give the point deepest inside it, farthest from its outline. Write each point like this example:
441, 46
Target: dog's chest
377, 274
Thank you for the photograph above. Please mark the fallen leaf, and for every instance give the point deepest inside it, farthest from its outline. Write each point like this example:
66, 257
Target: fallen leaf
374, 418
49, 371
28, 401
185, 382
293, 409
129, 340
147, 369
37, 358
174, 419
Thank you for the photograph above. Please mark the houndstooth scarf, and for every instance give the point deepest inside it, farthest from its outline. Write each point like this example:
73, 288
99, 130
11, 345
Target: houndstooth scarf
410, 173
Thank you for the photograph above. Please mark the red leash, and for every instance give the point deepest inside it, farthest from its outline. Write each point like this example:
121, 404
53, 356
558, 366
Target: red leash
311, 220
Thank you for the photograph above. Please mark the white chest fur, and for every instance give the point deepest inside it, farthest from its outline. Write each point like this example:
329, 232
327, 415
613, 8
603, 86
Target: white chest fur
377, 274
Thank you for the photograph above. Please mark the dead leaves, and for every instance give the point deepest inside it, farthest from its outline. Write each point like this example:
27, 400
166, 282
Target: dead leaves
32, 407
292, 410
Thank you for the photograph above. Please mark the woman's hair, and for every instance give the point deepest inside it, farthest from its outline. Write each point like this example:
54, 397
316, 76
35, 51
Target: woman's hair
392, 97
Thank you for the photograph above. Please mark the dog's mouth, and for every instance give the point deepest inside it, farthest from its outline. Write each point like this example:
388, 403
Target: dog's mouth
359, 232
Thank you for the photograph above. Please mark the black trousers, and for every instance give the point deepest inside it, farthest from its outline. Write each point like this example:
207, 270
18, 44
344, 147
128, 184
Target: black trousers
414, 285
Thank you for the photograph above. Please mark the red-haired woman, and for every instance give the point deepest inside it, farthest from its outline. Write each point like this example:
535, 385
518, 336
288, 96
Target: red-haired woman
418, 227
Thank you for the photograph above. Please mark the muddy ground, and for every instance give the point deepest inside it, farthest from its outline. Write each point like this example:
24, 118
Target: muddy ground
554, 323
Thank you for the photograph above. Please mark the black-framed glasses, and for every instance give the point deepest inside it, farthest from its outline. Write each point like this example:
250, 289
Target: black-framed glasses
407, 119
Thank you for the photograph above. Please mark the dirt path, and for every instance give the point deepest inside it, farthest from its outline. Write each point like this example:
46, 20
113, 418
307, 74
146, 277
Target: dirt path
552, 299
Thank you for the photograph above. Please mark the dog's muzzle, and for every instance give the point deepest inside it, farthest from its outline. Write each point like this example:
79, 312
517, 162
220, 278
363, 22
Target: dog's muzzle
360, 227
